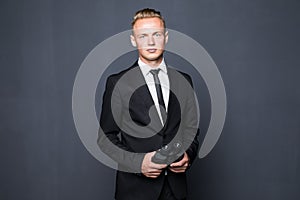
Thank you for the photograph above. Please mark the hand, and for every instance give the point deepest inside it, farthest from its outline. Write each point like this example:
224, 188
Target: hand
150, 169
180, 166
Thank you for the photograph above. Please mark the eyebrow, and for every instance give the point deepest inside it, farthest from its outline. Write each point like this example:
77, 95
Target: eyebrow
150, 33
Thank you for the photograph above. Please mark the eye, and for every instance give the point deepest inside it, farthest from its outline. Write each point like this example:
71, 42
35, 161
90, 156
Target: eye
141, 36
157, 34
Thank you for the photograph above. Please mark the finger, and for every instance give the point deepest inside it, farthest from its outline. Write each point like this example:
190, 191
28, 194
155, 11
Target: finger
182, 162
184, 167
179, 163
157, 166
154, 174
176, 170
154, 171
150, 175
150, 170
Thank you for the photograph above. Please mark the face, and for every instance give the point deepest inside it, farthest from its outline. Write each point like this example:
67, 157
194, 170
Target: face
149, 37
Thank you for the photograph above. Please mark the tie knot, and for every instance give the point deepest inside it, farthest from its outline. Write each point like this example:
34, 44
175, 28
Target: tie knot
154, 71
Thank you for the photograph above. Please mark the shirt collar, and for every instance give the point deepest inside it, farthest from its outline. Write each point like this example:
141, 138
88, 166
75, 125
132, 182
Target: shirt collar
146, 68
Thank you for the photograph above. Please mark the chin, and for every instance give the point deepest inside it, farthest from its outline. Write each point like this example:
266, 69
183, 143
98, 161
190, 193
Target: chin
153, 57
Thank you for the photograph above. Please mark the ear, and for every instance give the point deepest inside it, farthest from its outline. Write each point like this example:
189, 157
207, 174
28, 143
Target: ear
166, 37
132, 39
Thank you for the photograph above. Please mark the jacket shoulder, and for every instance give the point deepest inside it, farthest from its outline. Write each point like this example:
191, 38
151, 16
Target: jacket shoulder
185, 75
116, 76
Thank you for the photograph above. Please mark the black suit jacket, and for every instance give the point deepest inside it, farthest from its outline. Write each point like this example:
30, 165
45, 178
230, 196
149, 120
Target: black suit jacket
126, 126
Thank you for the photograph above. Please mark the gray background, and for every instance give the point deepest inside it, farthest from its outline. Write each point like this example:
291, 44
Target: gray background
255, 44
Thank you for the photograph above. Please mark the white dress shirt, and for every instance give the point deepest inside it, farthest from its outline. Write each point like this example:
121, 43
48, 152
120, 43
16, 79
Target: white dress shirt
164, 81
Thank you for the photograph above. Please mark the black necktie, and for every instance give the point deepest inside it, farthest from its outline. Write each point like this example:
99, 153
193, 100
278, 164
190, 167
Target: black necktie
161, 102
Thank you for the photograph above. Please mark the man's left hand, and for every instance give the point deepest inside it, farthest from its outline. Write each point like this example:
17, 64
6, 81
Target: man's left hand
180, 166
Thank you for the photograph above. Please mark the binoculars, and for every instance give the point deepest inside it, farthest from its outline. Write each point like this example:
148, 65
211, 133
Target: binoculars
168, 154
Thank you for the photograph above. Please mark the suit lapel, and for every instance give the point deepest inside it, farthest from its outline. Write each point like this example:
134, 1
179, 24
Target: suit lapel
145, 94
171, 97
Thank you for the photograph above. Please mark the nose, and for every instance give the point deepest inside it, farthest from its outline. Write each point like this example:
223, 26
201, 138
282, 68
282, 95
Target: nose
151, 41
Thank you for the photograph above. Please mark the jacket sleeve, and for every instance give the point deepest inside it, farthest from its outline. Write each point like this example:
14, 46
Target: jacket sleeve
191, 123
109, 132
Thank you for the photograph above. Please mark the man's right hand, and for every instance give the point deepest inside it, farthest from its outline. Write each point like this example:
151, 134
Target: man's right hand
150, 169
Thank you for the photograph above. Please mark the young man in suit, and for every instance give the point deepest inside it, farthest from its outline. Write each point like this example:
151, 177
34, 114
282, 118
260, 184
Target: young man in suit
147, 109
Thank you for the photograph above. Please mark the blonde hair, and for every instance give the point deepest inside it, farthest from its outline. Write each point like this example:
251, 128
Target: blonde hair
147, 13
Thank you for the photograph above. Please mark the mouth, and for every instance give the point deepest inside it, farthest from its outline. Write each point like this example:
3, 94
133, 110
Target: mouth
151, 50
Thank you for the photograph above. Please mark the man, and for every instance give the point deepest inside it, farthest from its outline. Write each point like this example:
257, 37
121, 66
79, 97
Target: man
146, 109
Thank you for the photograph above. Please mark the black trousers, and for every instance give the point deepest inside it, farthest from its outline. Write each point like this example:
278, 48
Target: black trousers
166, 192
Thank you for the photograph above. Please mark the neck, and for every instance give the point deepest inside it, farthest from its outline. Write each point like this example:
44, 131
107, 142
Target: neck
152, 63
